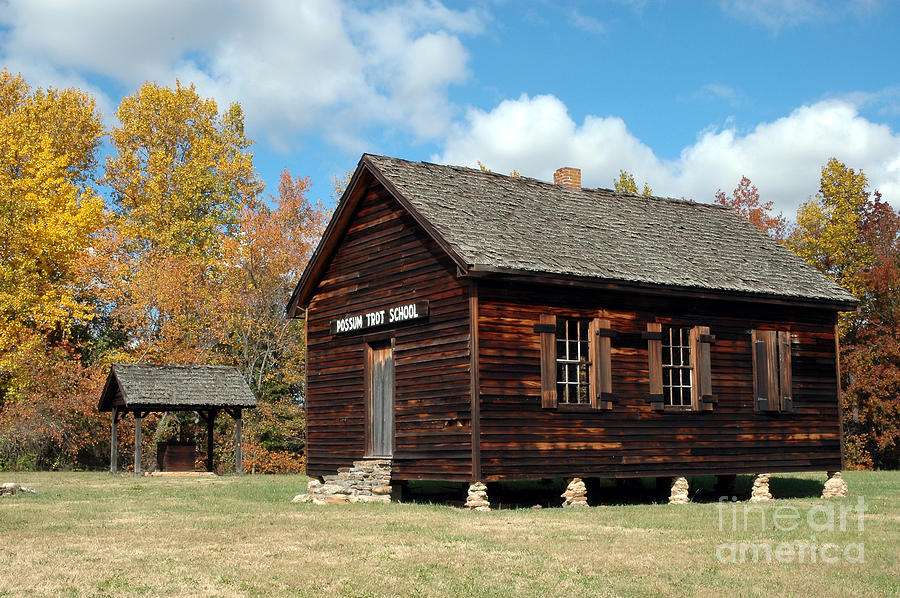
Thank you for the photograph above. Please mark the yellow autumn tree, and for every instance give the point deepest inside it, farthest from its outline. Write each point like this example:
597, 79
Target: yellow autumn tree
827, 232
625, 183
49, 210
181, 171
50, 215
179, 178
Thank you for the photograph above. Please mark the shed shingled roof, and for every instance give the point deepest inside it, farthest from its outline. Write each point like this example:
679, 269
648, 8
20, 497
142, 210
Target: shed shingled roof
174, 387
500, 223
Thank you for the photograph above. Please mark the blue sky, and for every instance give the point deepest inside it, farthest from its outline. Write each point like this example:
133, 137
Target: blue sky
689, 96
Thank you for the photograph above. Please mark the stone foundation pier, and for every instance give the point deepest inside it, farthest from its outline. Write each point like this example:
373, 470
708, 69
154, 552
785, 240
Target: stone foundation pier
477, 498
679, 491
760, 490
575, 494
835, 486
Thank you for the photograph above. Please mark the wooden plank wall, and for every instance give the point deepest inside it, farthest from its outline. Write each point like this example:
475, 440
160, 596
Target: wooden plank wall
521, 440
385, 259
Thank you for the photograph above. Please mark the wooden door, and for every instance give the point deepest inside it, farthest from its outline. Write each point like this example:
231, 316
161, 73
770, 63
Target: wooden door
380, 420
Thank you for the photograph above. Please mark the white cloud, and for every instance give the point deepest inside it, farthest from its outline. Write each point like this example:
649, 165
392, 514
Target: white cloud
536, 135
294, 66
885, 101
718, 91
587, 23
776, 15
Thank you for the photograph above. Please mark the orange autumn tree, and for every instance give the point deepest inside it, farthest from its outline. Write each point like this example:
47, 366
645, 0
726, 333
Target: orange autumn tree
203, 266
262, 264
871, 345
50, 419
745, 199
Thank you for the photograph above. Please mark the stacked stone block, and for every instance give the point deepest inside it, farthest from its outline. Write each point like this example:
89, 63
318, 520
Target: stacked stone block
760, 490
477, 498
679, 491
575, 494
835, 486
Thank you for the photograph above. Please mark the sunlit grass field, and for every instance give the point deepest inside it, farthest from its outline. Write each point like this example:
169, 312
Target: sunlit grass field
92, 534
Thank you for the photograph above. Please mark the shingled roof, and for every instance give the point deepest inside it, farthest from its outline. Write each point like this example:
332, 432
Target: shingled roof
175, 387
493, 224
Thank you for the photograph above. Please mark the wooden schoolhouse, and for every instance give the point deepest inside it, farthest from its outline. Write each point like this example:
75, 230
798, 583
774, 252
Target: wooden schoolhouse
476, 327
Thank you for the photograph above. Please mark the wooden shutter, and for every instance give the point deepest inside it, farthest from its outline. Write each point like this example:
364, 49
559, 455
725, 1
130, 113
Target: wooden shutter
702, 340
765, 370
601, 363
784, 370
547, 331
654, 358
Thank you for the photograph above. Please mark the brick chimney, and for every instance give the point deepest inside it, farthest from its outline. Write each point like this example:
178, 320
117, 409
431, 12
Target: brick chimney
568, 177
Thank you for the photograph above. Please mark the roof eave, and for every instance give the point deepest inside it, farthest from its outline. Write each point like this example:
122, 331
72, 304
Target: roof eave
480, 271
334, 231
189, 407
110, 378
323, 251
429, 228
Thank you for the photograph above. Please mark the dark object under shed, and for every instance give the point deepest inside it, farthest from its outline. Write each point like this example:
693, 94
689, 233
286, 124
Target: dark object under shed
176, 456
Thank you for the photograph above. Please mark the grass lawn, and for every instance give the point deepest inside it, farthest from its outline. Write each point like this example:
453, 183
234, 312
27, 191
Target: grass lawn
96, 534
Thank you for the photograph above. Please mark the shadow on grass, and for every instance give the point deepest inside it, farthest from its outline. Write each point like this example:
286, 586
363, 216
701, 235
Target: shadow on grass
796, 487
631, 491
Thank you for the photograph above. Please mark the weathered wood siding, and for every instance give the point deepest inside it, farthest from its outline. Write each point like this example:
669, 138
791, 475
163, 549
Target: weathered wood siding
520, 439
385, 259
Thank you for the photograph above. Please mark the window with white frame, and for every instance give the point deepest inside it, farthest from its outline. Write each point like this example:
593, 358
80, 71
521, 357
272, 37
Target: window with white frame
677, 367
572, 361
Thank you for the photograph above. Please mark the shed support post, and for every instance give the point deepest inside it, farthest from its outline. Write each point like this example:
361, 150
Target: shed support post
238, 452
210, 420
114, 442
138, 418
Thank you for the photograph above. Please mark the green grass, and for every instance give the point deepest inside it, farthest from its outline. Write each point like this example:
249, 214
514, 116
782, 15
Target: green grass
100, 535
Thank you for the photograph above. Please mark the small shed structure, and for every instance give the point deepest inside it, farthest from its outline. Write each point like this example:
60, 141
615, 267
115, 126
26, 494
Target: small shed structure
477, 327
140, 389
